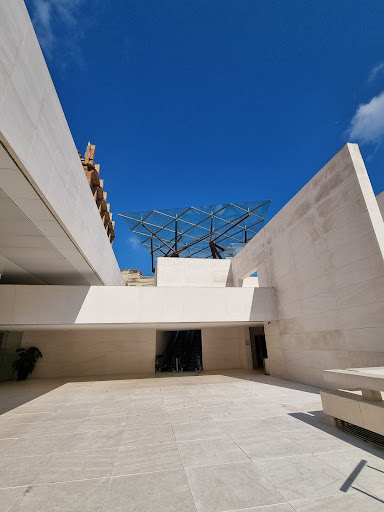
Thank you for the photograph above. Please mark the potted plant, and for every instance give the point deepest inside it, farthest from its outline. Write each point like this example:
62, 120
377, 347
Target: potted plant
26, 360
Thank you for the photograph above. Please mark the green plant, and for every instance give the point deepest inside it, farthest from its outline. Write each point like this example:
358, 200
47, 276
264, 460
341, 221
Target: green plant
26, 361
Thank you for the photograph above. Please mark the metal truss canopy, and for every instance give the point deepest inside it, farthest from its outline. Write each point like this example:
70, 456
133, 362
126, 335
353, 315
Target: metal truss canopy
213, 231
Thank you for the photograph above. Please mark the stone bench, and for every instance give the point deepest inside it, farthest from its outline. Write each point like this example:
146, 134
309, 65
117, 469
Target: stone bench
364, 409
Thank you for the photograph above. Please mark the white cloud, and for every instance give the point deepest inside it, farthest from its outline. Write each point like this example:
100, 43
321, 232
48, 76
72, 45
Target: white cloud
377, 70
133, 242
53, 19
367, 125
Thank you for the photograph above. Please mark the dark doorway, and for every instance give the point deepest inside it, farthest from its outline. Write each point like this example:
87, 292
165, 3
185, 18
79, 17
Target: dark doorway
183, 352
258, 347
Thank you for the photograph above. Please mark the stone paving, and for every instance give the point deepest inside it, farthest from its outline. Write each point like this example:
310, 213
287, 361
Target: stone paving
230, 441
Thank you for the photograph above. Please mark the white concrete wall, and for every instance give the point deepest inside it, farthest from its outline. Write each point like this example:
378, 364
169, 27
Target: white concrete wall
93, 352
251, 282
162, 339
380, 202
323, 255
224, 348
53, 306
194, 272
76, 353
35, 132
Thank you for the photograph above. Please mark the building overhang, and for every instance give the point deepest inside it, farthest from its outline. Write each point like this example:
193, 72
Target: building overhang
50, 227
67, 307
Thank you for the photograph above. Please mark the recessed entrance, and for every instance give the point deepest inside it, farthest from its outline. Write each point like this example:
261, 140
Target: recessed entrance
179, 351
258, 347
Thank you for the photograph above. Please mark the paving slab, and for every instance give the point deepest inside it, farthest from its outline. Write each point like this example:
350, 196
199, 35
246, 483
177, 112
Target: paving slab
231, 487
78, 496
164, 491
228, 441
147, 458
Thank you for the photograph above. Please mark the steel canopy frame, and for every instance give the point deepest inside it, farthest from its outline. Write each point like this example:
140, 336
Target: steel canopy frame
211, 231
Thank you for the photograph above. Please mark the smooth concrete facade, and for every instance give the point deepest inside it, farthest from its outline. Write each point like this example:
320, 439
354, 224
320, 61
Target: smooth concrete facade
196, 272
44, 177
193, 272
323, 256
91, 352
69, 353
226, 348
54, 307
380, 202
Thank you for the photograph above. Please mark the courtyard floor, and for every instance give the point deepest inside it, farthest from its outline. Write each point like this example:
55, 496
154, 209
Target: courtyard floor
230, 441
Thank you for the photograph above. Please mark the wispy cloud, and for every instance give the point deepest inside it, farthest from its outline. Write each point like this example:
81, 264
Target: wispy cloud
367, 125
133, 242
376, 71
54, 19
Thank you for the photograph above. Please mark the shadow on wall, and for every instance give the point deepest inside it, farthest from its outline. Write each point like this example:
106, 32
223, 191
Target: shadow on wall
76, 302
9, 343
250, 274
229, 281
263, 309
41, 305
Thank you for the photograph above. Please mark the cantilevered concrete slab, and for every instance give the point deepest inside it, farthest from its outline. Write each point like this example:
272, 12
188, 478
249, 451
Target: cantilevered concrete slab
27, 307
52, 228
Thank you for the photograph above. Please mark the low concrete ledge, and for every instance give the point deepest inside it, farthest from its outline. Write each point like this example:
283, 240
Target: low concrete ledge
366, 410
369, 380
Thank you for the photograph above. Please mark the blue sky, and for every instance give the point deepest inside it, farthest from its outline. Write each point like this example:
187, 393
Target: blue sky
211, 101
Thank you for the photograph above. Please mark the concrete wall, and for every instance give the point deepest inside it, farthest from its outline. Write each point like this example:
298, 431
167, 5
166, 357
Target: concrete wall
194, 272
76, 353
9, 343
225, 348
162, 339
380, 202
250, 282
167, 308
35, 132
323, 255
93, 352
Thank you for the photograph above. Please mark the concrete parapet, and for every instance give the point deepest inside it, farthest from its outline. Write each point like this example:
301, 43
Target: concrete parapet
365, 409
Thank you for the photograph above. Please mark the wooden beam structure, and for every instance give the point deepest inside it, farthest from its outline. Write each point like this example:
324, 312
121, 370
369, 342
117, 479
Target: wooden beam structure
92, 172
